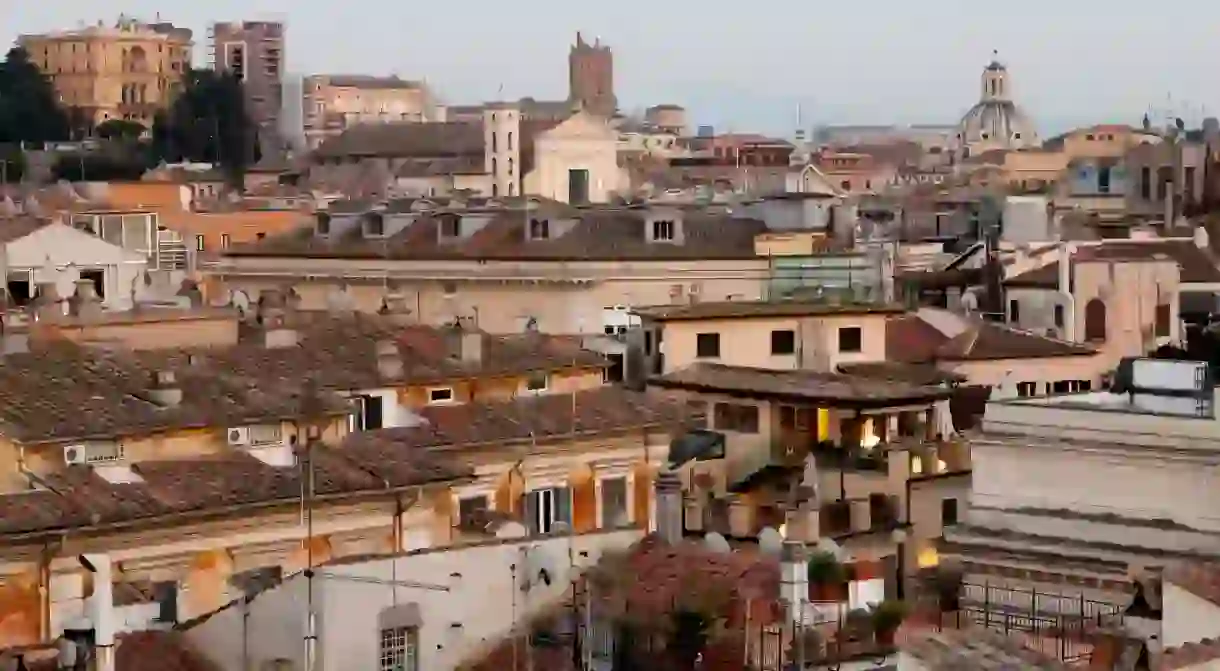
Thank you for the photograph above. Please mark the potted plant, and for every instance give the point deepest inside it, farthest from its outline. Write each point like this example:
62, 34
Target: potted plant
887, 617
827, 578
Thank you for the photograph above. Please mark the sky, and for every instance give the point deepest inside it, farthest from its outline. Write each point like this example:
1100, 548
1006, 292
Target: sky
759, 66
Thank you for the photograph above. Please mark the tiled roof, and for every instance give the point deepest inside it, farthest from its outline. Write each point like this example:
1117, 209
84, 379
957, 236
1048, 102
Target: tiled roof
1199, 577
587, 413
977, 649
1189, 656
15, 228
805, 385
910, 339
62, 392
741, 309
984, 340
81, 496
340, 352
401, 140
139, 651
604, 233
910, 373
1196, 264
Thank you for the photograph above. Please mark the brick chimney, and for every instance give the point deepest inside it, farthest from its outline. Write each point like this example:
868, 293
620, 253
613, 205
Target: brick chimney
670, 506
389, 360
47, 304
272, 315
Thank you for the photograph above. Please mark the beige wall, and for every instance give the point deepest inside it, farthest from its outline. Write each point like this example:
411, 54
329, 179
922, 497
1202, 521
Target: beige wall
502, 294
95, 68
747, 342
1104, 141
583, 142
1003, 375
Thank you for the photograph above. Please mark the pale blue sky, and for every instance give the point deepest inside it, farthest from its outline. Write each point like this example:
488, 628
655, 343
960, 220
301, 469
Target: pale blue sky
745, 65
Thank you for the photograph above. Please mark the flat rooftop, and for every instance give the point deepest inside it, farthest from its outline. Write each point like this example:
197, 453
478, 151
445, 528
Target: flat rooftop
1138, 404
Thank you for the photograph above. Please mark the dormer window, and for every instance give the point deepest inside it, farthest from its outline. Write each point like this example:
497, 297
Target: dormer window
375, 224
540, 229
323, 223
451, 227
663, 229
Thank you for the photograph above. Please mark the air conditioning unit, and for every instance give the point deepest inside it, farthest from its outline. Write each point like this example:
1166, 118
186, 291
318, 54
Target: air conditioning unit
75, 454
239, 436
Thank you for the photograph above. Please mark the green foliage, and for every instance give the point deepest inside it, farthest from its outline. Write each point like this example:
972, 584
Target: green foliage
98, 168
208, 123
888, 615
120, 129
12, 165
689, 636
824, 569
29, 108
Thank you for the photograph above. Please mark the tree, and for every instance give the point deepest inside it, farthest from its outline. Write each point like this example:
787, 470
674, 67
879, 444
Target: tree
208, 122
29, 107
98, 167
120, 129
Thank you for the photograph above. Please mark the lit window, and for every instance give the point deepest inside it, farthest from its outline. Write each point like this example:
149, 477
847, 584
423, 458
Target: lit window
225, 240
200, 245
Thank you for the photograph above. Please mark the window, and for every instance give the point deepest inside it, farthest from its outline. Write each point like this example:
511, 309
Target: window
545, 508
948, 512
440, 395
1026, 389
663, 229
451, 227
1146, 183
509, 144
20, 287
1014, 311
1103, 179
850, 339
1162, 320
1061, 387
735, 417
614, 503
400, 649
1188, 184
536, 382
1095, 321
375, 225
540, 229
707, 346
260, 236
98, 278
470, 508
495, 146
368, 415
225, 240
1058, 316
1164, 176
783, 342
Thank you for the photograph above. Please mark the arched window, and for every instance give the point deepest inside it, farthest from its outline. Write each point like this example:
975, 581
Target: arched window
510, 140
494, 148
495, 165
1095, 320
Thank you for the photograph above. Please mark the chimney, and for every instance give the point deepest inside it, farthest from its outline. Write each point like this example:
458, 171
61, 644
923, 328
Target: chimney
389, 360
670, 506
99, 608
164, 389
190, 290
47, 305
394, 306
794, 579
85, 303
470, 347
272, 315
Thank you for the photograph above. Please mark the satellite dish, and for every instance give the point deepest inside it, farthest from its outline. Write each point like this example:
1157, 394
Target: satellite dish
770, 542
714, 542
240, 300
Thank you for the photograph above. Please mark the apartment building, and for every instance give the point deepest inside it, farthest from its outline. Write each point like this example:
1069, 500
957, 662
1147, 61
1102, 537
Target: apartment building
128, 71
253, 51
332, 103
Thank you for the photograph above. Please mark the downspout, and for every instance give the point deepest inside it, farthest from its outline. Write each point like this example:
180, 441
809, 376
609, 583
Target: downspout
1066, 252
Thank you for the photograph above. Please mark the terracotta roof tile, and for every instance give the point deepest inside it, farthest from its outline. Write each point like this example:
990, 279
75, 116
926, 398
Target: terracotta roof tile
599, 233
138, 651
80, 496
1196, 264
985, 340
829, 387
1199, 577
910, 339
1189, 655
61, 392
592, 412
421, 140
977, 649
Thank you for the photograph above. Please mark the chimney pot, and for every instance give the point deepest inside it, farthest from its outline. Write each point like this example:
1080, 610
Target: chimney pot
470, 345
670, 506
389, 360
47, 306
85, 302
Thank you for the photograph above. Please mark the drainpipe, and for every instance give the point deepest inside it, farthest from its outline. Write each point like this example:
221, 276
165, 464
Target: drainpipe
1066, 252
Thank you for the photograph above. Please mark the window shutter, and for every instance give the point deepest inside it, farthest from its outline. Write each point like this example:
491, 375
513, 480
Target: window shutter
563, 505
531, 512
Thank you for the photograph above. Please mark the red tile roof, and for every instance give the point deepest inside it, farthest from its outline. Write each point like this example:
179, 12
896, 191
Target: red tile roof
1196, 264
1199, 577
910, 339
1189, 655
137, 651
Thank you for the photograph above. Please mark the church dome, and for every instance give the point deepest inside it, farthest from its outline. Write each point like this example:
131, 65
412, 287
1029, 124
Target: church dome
995, 121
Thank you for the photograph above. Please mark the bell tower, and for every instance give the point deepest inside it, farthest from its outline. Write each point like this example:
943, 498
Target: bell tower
995, 80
